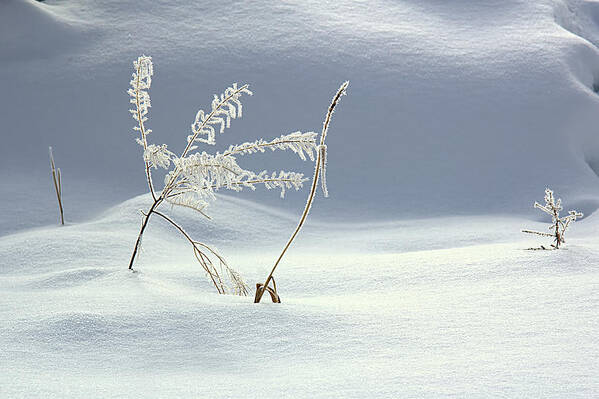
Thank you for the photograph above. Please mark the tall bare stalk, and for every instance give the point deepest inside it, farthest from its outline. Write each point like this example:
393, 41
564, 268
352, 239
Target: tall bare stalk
319, 169
56, 178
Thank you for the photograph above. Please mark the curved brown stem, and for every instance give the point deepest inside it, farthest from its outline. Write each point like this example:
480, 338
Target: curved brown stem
260, 288
272, 291
205, 261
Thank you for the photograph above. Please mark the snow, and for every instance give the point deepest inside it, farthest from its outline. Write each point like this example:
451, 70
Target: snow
449, 317
412, 280
468, 100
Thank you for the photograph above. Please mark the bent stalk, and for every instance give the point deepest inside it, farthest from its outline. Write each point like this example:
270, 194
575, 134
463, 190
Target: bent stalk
320, 159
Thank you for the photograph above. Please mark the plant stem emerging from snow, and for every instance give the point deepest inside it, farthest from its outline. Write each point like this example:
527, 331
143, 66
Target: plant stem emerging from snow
319, 167
144, 224
56, 178
205, 261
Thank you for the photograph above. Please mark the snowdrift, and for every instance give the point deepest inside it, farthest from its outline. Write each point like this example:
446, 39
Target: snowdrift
362, 314
34, 32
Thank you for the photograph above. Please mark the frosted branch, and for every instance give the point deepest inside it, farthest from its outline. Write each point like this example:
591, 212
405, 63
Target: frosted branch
300, 143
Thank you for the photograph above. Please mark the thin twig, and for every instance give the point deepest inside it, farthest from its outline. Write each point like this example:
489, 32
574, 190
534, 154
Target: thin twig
204, 260
191, 207
263, 145
537, 233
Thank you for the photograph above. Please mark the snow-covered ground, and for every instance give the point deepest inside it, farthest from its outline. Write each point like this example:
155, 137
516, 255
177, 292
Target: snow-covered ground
453, 307
412, 280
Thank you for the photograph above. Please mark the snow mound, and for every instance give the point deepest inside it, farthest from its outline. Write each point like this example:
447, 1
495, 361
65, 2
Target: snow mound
237, 227
34, 31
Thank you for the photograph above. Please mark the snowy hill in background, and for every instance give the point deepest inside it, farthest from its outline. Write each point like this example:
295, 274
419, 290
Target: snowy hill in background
453, 108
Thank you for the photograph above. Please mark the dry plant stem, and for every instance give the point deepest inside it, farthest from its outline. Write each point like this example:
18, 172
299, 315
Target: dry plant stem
57, 185
260, 290
325, 127
272, 291
558, 236
141, 232
197, 252
201, 257
538, 233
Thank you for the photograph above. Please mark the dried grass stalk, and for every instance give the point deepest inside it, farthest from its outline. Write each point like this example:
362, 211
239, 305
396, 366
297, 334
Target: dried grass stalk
56, 178
319, 169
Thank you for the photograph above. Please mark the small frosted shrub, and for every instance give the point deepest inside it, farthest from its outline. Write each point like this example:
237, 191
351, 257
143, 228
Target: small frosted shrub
559, 224
194, 176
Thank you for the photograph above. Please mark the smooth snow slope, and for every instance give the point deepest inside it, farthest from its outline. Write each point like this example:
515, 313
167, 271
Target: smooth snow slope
453, 108
464, 311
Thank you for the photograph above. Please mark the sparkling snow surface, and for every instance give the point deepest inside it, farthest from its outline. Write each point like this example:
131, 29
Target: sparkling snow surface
411, 280
417, 309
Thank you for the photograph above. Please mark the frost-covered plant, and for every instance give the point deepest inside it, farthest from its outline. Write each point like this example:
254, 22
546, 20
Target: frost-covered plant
559, 225
319, 171
195, 176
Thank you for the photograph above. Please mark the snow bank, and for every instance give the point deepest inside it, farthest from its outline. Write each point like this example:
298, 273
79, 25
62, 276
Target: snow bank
32, 31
